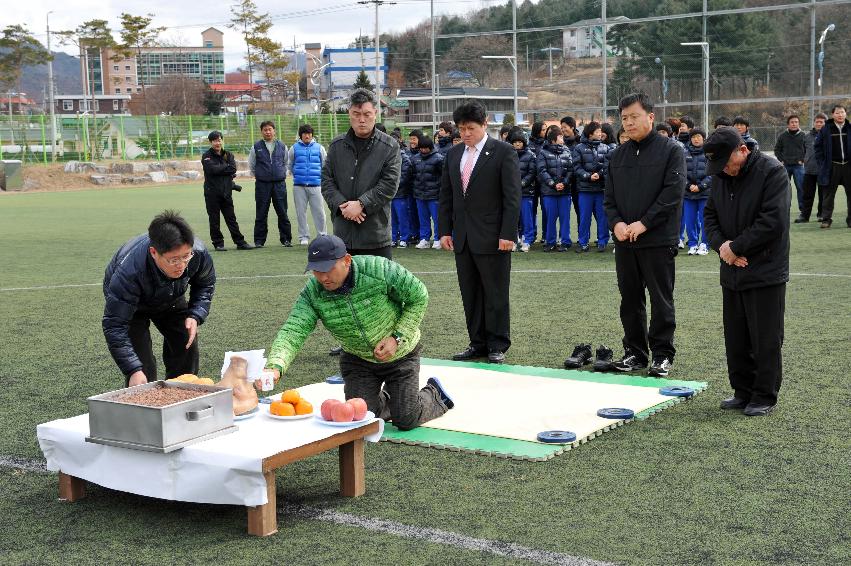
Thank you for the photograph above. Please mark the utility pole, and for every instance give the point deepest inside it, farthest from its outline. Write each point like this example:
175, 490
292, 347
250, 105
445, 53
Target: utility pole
433, 74
605, 70
514, 54
50, 95
377, 54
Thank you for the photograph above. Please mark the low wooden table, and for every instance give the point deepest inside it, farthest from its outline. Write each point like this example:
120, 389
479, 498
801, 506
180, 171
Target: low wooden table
263, 519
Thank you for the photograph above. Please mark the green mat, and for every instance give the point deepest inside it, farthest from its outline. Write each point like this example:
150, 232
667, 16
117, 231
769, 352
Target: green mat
521, 449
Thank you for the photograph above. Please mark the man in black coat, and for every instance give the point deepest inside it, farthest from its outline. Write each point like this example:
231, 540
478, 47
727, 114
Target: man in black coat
219, 170
643, 202
747, 223
479, 210
145, 282
833, 152
790, 150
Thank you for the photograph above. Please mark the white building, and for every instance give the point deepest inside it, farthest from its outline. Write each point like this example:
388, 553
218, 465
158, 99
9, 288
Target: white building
345, 65
585, 37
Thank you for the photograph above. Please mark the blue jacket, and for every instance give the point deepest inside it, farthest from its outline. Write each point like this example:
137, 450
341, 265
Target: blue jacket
555, 165
133, 284
589, 157
428, 169
444, 144
307, 164
696, 173
750, 142
270, 168
824, 149
528, 172
535, 144
406, 178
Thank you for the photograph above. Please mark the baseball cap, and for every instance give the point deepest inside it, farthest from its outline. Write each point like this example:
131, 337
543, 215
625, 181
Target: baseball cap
719, 147
323, 252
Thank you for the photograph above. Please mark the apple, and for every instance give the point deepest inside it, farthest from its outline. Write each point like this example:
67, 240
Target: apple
327, 405
359, 405
342, 413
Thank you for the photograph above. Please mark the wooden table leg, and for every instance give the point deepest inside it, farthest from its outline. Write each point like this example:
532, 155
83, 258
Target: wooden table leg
71, 488
352, 471
263, 519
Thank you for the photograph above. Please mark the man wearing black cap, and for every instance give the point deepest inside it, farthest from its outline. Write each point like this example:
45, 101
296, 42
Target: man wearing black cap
219, 172
373, 307
747, 223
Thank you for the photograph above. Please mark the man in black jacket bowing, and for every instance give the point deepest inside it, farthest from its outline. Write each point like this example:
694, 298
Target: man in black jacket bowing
479, 209
643, 202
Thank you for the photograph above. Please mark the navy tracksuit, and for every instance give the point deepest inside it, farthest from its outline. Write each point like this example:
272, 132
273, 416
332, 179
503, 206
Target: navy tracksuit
400, 212
428, 169
555, 165
694, 203
589, 157
529, 188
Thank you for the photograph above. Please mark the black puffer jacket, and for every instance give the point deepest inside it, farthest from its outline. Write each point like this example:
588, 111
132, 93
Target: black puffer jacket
528, 172
791, 147
428, 169
134, 284
406, 178
219, 171
646, 181
535, 144
752, 211
555, 165
696, 172
589, 157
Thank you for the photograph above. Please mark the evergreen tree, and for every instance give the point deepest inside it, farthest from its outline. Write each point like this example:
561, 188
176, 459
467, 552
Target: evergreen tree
362, 81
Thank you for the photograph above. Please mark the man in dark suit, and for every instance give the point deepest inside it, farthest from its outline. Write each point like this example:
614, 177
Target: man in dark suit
479, 209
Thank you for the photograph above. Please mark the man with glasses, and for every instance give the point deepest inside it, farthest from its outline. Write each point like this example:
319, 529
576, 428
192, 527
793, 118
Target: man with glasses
145, 282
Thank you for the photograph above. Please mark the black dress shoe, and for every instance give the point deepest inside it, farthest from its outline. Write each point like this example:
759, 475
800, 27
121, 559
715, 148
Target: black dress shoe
496, 357
258, 245
220, 248
758, 409
287, 244
244, 246
801, 220
734, 403
336, 351
469, 354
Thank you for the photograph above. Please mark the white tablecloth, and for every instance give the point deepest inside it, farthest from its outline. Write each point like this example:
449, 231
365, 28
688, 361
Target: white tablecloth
226, 470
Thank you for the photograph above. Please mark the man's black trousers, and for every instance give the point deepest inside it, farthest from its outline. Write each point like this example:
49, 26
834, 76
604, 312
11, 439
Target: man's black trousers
171, 324
651, 269
840, 175
810, 187
484, 280
753, 335
221, 203
276, 194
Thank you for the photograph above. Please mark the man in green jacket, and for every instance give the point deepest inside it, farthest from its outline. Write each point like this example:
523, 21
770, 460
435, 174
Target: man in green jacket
373, 307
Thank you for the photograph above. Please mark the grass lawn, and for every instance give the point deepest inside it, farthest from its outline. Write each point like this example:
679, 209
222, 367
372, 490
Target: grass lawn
691, 485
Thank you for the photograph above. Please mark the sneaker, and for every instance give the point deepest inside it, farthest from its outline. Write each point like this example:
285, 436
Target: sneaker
582, 249
565, 247
692, 250
245, 246
436, 245
303, 241
681, 245
220, 248
702, 249
444, 396
259, 244
581, 356
660, 367
403, 244
422, 245
604, 359
801, 220
826, 223
549, 248
629, 362
524, 247
287, 244
601, 248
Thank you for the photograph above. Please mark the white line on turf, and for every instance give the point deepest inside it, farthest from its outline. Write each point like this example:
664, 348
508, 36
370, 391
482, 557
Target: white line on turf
436, 536
446, 272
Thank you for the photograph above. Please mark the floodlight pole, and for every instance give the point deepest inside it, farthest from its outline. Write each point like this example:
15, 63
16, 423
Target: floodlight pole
659, 61
433, 75
377, 54
705, 48
831, 27
50, 94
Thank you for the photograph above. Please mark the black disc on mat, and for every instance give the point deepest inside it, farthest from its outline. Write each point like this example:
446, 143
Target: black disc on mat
676, 391
615, 413
557, 436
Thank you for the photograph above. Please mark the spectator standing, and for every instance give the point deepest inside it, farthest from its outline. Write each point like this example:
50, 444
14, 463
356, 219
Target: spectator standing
721, 121
590, 163
219, 171
536, 137
790, 150
610, 138
811, 172
747, 221
743, 126
571, 138
684, 134
456, 137
427, 165
444, 137
400, 214
696, 193
528, 187
305, 160
413, 141
267, 161
643, 202
555, 173
359, 179
479, 209
664, 129
833, 152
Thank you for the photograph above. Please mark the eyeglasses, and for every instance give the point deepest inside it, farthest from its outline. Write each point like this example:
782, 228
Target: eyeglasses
175, 261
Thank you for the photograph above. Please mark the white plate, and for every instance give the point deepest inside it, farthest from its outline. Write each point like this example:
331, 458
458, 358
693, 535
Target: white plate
292, 418
369, 416
247, 415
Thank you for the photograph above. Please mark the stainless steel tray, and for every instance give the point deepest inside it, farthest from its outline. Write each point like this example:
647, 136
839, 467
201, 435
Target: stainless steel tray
160, 429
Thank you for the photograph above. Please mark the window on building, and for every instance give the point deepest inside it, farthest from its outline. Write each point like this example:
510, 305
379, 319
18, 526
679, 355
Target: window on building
115, 105
208, 44
115, 67
67, 105
138, 89
126, 67
128, 79
118, 91
573, 33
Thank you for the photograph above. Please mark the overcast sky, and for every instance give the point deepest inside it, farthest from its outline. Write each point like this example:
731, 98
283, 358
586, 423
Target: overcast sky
333, 23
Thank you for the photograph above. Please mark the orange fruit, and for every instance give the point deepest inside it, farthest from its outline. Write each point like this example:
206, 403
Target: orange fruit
282, 409
303, 408
290, 396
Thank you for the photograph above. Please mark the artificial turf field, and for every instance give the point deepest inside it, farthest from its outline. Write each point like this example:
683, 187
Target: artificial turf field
690, 485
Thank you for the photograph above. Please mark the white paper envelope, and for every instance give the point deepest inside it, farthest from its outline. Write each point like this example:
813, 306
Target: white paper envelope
255, 359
